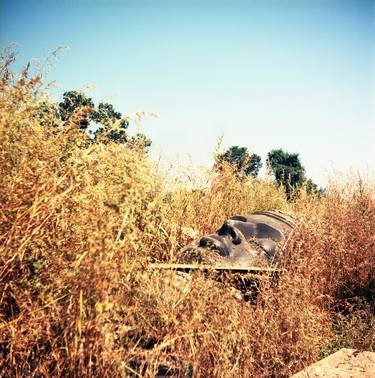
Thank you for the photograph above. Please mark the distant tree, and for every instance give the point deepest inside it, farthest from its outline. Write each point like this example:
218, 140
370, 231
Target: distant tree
140, 140
72, 101
287, 169
105, 114
312, 188
110, 121
102, 122
243, 163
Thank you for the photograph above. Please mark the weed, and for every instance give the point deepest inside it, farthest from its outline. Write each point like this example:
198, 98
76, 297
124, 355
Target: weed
79, 225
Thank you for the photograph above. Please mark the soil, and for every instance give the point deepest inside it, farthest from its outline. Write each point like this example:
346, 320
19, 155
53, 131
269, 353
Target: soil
346, 363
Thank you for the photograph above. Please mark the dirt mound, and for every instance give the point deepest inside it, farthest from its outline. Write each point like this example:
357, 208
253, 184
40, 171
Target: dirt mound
343, 364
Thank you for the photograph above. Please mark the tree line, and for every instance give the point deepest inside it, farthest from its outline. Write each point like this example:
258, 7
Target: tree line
286, 168
103, 121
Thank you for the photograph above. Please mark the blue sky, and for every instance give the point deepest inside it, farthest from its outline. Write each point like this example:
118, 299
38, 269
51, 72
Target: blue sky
297, 75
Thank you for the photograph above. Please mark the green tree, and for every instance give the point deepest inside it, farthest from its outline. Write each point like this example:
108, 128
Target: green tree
72, 101
243, 163
99, 122
140, 140
312, 188
287, 169
110, 121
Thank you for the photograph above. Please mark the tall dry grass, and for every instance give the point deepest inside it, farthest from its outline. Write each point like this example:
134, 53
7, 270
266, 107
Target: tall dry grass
79, 225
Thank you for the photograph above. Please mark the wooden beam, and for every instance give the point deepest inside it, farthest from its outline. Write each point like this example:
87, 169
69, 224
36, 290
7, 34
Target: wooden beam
212, 268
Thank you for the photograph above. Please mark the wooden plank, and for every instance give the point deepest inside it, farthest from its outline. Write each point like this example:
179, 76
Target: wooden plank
212, 268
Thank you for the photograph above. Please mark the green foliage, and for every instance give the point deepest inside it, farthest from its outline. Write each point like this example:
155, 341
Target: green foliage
99, 122
105, 113
312, 188
106, 117
287, 169
72, 101
289, 172
140, 140
243, 163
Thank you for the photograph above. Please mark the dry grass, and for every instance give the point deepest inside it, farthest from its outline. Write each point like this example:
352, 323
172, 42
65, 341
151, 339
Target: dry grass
79, 226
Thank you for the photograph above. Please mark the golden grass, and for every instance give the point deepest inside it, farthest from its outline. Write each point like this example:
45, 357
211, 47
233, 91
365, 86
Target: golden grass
79, 226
